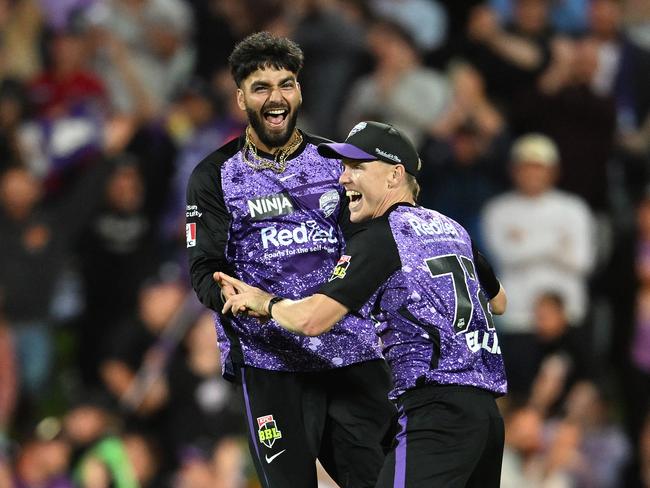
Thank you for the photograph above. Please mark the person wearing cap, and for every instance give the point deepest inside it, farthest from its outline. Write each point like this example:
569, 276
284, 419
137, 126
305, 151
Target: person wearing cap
431, 294
541, 240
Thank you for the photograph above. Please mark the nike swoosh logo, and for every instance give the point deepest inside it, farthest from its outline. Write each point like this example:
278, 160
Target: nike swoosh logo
285, 178
269, 460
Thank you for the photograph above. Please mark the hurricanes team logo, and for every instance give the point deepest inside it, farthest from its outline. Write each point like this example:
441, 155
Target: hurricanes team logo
328, 202
357, 128
268, 430
341, 267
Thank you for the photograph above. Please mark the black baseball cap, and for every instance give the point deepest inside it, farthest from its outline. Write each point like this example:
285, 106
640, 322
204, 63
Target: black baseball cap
371, 141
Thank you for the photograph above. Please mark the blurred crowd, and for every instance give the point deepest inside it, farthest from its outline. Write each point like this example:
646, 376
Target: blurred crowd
533, 121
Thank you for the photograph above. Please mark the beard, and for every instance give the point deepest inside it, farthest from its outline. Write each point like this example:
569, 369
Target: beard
270, 139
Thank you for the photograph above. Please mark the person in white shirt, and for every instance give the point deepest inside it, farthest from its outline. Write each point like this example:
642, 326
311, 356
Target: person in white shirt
540, 240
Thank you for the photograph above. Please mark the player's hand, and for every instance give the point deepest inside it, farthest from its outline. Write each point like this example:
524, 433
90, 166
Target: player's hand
228, 291
246, 298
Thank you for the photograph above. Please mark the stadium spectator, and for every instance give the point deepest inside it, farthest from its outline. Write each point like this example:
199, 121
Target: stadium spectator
336, 44
400, 90
463, 162
557, 340
459, 175
91, 417
117, 251
203, 409
156, 37
70, 105
580, 120
133, 369
568, 17
541, 240
622, 73
43, 461
36, 244
124, 461
469, 104
203, 115
425, 20
523, 442
510, 58
603, 446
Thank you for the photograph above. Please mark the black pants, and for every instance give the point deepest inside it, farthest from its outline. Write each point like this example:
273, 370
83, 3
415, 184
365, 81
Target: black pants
341, 416
450, 436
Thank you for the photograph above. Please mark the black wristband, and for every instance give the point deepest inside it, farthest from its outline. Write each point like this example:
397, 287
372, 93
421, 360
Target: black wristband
272, 302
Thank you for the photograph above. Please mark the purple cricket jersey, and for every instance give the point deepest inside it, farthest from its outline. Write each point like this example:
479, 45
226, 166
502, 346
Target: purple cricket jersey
279, 232
413, 271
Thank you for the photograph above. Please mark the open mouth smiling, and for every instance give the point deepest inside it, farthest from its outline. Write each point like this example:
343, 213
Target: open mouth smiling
276, 116
354, 196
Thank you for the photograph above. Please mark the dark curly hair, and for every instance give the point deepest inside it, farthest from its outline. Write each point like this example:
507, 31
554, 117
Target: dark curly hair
263, 50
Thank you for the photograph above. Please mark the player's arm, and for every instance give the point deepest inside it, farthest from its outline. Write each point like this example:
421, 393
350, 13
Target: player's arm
495, 293
371, 257
309, 316
499, 303
208, 223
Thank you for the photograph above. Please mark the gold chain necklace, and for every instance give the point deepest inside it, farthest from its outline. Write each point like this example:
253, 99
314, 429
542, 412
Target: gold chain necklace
279, 162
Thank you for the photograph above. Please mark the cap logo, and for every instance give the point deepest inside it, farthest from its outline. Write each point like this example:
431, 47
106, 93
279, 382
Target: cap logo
387, 155
357, 128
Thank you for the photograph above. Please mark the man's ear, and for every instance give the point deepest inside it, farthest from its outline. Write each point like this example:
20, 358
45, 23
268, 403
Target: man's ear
396, 175
240, 99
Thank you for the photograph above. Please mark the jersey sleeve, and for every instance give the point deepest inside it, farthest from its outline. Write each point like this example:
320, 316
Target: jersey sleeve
485, 273
370, 258
207, 228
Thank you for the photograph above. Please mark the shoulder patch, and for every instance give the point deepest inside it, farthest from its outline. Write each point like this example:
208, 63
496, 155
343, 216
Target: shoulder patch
190, 234
341, 267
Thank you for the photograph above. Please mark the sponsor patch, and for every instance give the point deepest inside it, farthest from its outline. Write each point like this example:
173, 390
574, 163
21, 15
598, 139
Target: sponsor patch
190, 234
268, 431
306, 232
270, 206
192, 211
328, 202
341, 267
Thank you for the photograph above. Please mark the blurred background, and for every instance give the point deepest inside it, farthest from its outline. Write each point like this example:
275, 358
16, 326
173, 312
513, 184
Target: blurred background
532, 119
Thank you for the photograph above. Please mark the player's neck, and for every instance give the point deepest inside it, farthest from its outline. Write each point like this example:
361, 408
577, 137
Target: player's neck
392, 199
290, 146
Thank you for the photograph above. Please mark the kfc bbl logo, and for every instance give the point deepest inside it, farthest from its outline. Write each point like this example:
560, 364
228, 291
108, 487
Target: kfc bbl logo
268, 430
341, 267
